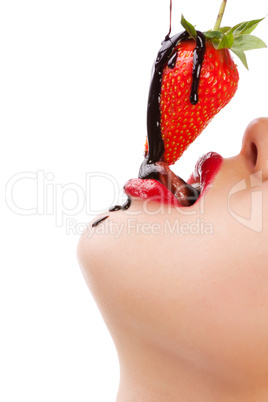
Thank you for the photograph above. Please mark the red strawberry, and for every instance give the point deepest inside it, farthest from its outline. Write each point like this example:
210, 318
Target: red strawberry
182, 121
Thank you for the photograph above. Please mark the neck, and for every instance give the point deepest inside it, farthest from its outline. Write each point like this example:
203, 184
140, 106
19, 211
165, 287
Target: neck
150, 374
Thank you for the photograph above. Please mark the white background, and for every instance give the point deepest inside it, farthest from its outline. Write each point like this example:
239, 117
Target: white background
74, 84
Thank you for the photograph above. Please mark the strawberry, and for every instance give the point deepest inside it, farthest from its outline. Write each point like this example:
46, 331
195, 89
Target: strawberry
181, 119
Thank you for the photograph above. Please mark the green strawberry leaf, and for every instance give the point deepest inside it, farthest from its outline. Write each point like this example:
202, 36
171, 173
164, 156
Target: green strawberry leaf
248, 42
237, 39
212, 35
188, 27
226, 41
241, 55
224, 29
245, 27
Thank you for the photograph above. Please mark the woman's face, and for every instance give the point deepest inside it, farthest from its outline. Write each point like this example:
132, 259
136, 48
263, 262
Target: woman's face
192, 281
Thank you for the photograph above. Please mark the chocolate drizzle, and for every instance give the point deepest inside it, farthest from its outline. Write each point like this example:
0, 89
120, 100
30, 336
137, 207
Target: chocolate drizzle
198, 58
98, 221
156, 146
123, 207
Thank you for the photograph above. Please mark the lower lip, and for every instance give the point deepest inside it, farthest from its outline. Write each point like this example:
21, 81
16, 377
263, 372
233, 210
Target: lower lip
205, 171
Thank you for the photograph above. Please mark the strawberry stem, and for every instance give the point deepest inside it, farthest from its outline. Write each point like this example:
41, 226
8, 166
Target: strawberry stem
220, 15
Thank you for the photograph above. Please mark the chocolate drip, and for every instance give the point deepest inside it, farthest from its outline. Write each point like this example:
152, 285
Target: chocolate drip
148, 170
155, 141
98, 221
123, 207
198, 58
172, 61
170, 18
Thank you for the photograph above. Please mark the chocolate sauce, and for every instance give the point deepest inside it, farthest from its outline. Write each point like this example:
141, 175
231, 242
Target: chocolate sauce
98, 221
148, 170
156, 146
198, 58
170, 18
172, 61
123, 207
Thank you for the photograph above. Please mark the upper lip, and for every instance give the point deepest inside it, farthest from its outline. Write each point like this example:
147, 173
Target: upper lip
204, 173
205, 170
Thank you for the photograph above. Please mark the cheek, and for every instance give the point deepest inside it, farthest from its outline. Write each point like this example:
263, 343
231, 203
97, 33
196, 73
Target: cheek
245, 205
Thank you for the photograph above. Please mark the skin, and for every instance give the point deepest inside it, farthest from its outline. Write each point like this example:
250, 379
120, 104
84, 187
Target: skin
188, 311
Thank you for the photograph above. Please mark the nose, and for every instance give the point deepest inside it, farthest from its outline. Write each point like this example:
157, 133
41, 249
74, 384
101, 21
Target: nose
255, 146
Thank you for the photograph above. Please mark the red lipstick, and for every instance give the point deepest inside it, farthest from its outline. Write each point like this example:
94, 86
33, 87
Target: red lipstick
205, 171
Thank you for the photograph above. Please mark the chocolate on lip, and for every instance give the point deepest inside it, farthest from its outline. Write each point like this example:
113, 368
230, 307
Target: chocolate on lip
152, 185
160, 171
184, 192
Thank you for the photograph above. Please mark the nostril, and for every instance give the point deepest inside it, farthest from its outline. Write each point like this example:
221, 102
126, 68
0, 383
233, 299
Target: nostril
253, 153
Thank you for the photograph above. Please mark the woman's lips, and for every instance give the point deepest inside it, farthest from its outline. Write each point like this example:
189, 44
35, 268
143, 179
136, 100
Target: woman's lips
150, 189
205, 170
